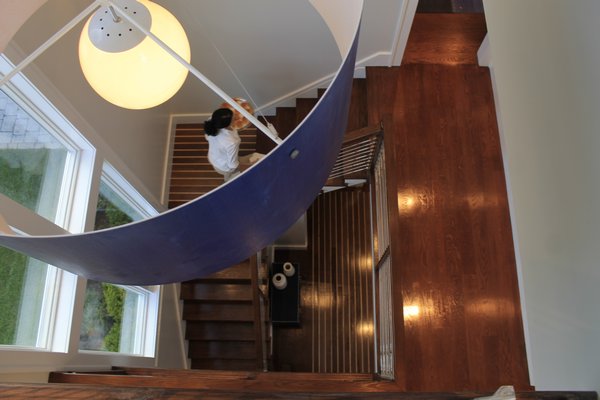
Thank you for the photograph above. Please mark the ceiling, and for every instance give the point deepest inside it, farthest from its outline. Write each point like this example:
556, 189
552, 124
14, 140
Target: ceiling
275, 47
279, 50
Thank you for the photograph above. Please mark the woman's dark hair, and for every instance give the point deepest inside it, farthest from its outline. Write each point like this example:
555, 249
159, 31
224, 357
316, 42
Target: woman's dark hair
221, 118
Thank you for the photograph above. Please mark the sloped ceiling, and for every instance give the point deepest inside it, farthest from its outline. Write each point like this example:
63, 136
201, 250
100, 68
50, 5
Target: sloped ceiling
278, 49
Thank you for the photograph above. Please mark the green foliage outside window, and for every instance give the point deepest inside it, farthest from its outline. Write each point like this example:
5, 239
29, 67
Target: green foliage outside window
21, 174
109, 215
12, 270
103, 312
104, 303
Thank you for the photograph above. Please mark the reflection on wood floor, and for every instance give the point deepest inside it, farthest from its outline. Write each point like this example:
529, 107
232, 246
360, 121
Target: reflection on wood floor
336, 332
453, 261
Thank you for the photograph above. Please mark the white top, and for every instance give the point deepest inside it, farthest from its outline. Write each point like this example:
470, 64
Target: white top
223, 150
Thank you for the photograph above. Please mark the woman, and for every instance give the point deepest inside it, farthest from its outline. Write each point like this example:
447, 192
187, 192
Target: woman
224, 145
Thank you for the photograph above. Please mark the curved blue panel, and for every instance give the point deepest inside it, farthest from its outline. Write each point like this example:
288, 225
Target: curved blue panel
222, 227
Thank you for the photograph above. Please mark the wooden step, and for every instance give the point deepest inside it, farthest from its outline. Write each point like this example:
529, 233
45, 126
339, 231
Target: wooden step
264, 144
239, 273
197, 165
231, 365
265, 377
190, 126
208, 174
303, 107
200, 311
196, 181
450, 39
285, 120
209, 291
358, 114
227, 350
185, 197
223, 330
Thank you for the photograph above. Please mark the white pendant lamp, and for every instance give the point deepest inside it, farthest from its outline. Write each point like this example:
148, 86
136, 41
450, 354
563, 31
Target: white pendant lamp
126, 67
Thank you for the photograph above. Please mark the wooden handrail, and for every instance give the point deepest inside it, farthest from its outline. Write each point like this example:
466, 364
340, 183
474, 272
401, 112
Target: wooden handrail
358, 148
362, 133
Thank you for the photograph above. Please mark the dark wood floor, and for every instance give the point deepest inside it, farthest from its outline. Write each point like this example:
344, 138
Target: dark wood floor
452, 258
449, 39
451, 244
336, 330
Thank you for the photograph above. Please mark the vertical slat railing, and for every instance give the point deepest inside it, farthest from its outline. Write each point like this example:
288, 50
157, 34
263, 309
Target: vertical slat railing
383, 274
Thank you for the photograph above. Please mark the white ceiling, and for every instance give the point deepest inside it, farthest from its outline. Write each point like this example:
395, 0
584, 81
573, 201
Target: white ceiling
280, 49
276, 47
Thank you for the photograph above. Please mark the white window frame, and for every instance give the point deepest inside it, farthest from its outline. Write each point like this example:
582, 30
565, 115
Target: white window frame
145, 337
72, 206
60, 290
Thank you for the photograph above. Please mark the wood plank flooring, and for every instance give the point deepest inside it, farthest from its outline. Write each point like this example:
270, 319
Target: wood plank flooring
449, 39
28, 391
451, 244
146, 383
336, 332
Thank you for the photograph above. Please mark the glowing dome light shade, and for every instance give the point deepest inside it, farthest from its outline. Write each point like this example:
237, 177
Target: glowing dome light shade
143, 75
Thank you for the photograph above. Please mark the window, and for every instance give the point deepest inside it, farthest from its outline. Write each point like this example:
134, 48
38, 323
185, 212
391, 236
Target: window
119, 318
39, 157
20, 313
33, 163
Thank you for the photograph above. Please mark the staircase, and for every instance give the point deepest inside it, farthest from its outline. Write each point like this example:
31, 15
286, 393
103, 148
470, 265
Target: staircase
223, 320
224, 328
191, 173
222, 312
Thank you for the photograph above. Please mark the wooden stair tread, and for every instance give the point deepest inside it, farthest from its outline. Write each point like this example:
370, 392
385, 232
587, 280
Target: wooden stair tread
209, 291
234, 365
222, 350
261, 376
303, 107
221, 331
217, 312
238, 271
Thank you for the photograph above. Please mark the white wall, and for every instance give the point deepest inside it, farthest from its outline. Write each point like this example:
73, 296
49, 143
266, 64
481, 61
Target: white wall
545, 57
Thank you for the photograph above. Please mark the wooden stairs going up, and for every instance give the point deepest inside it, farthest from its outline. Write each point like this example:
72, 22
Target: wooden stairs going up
222, 312
223, 320
191, 173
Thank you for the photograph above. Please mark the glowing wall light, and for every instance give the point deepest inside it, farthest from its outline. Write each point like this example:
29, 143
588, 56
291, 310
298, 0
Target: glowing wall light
126, 67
